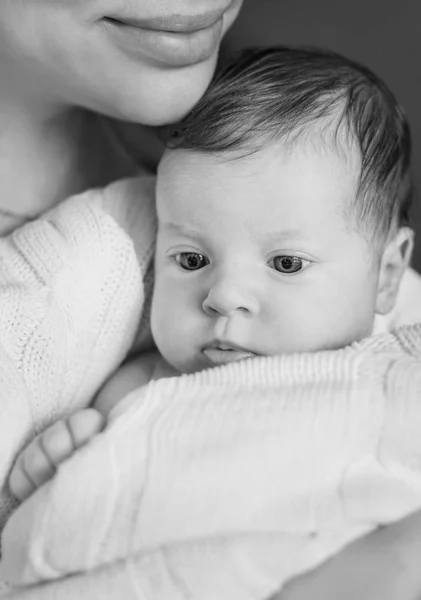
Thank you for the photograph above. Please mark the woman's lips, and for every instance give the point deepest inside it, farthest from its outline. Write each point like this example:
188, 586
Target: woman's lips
175, 22
216, 356
174, 48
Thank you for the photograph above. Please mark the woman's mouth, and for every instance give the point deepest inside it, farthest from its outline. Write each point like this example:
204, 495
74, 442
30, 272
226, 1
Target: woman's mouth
175, 23
175, 41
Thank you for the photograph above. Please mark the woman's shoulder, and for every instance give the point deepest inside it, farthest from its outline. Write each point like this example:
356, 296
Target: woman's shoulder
131, 203
128, 193
128, 204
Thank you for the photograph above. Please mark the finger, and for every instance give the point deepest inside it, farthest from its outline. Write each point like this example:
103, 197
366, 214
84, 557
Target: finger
84, 425
36, 464
20, 484
57, 443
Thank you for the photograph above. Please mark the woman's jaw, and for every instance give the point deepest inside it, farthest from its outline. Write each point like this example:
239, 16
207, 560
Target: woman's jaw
149, 65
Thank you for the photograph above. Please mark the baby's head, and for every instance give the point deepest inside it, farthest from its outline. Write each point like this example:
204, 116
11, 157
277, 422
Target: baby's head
282, 204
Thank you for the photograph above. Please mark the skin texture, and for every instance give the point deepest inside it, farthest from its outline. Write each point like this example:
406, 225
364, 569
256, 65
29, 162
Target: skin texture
254, 212
65, 46
59, 60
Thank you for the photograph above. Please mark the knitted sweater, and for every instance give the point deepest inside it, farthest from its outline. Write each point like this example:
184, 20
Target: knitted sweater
71, 293
227, 483
71, 296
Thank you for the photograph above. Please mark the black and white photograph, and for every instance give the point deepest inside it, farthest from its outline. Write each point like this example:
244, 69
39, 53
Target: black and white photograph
210, 300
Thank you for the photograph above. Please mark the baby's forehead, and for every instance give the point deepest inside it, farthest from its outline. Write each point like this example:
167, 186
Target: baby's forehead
285, 194
274, 177
258, 156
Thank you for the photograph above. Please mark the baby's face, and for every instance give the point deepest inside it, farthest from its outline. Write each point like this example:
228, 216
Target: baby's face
255, 257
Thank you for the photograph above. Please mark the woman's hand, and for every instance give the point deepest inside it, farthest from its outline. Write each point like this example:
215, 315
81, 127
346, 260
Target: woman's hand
385, 565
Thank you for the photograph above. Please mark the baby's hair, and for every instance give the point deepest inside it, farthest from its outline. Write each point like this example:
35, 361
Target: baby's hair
282, 93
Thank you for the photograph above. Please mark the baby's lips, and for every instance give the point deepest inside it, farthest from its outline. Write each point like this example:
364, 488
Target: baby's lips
218, 356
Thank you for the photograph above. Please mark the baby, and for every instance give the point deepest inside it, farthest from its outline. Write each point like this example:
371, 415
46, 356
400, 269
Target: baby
282, 204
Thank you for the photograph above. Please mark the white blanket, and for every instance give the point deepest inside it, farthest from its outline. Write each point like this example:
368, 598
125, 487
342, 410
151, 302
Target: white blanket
227, 483
72, 287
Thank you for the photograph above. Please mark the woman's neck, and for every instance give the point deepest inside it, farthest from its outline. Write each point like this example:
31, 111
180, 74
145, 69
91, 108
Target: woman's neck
49, 151
35, 156
47, 156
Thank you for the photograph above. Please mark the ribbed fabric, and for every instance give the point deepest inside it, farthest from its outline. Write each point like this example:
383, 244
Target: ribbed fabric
71, 294
72, 288
228, 482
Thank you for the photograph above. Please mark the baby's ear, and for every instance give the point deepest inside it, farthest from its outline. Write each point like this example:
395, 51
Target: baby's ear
395, 260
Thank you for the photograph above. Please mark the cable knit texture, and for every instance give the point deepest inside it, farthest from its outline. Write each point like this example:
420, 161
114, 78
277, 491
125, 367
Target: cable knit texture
71, 293
227, 483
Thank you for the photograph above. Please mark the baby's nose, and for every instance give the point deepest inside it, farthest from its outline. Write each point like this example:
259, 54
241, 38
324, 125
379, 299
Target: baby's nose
228, 297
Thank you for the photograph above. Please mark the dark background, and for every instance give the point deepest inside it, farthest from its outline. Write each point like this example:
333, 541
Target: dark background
383, 34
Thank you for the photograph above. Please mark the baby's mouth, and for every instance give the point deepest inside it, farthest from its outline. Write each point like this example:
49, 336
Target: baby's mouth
223, 353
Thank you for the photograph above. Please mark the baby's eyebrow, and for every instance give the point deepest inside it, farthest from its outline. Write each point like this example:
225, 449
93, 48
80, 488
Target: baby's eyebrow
266, 237
283, 234
182, 228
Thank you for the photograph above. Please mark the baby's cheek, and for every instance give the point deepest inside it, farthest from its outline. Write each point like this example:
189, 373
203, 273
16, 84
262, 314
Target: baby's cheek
167, 321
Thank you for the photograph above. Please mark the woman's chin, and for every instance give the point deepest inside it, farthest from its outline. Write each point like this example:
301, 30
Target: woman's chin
167, 97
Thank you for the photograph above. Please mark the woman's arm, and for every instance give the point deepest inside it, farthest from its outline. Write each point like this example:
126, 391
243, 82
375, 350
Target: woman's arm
384, 565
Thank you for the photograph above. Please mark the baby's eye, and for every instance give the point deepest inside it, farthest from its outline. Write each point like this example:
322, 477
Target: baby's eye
191, 261
288, 264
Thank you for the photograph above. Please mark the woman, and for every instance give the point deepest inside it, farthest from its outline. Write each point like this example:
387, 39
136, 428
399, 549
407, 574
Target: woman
146, 62
62, 64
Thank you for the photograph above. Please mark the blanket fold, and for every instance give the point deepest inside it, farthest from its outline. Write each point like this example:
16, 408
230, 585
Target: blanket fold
227, 483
